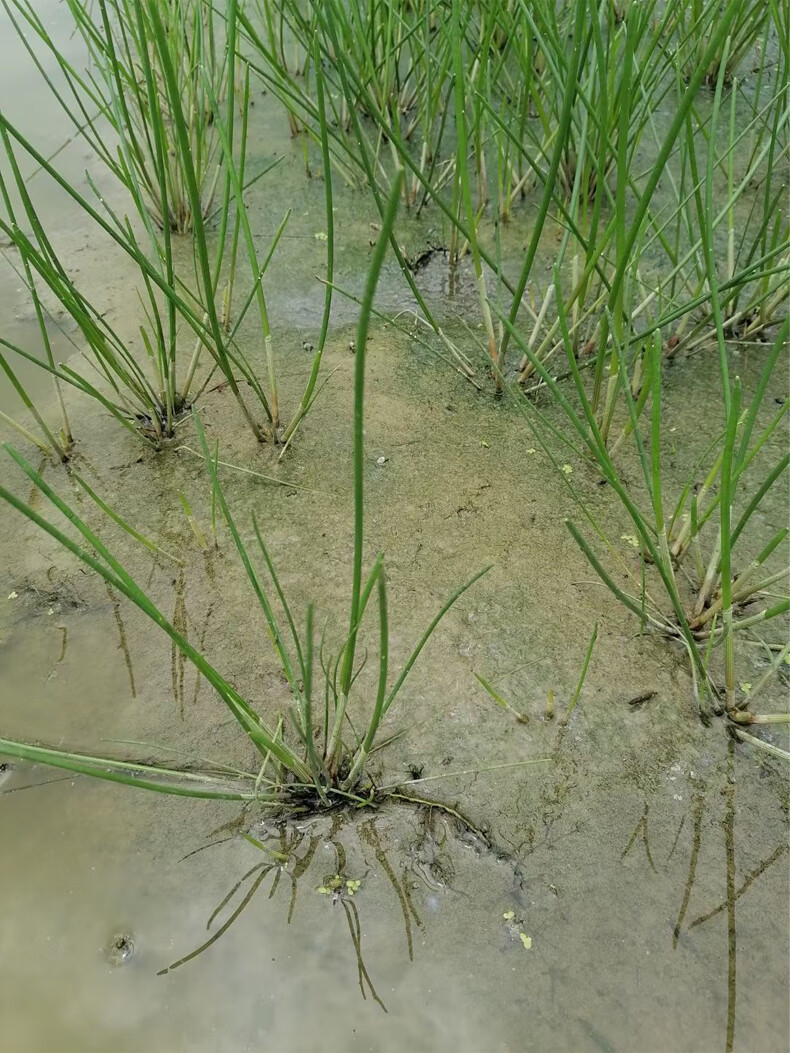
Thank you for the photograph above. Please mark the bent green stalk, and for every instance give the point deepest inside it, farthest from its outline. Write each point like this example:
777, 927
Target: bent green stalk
583, 675
145, 776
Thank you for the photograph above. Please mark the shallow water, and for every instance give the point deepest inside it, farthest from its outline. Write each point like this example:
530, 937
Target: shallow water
627, 832
598, 842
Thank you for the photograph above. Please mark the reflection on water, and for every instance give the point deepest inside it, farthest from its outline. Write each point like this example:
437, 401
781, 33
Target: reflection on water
288, 854
727, 835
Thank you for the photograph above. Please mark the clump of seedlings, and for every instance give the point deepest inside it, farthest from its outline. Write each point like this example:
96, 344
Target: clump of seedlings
696, 22
706, 603
539, 99
559, 99
143, 91
185, 290
315, 765
149, 401
710, 615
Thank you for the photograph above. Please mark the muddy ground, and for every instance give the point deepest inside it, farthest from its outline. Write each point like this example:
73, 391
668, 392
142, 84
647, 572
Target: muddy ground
584, 929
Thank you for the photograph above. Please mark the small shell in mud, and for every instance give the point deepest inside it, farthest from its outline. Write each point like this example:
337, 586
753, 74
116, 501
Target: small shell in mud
119, 949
